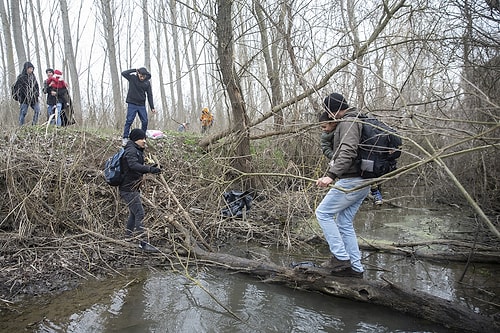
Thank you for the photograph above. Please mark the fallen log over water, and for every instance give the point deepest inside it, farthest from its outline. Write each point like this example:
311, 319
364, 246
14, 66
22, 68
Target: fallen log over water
385, 293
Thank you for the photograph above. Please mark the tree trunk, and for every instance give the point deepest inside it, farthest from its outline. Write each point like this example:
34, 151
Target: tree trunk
197, 95
177, 58
147, 43
186, 38
359, 78
296, 71
71, 61
38, 69
307, 277
17, 32
109, 33
163, 115
270, 54
43, 34
230, 78
9, 49
168, 52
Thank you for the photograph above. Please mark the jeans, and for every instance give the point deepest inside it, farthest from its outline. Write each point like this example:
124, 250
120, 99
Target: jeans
56, 110
136, 211
58, 114
24, 111
50, 110
335, 215
132, 111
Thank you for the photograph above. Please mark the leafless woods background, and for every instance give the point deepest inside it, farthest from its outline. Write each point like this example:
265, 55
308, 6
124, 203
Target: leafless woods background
429, 68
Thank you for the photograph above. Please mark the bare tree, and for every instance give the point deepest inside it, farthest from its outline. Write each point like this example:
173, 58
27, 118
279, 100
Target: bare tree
42, 28
225, 50
159, 63
356, 42
71, 59
9, 49
179, 107
17, 32
109, 36
195, 69
168, 51
147, 43
38, 56
186, 38
271, 57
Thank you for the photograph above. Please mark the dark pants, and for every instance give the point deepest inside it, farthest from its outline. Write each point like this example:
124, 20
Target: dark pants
136, 211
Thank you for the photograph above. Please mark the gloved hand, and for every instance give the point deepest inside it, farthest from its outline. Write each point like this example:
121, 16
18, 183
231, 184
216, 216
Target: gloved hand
154, 170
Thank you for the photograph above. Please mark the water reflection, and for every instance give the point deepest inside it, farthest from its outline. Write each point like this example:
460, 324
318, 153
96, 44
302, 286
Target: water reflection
168, 302
164, 301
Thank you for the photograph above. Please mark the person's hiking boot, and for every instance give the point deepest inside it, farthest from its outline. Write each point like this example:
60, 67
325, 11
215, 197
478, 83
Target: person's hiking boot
145, 246
377, 197
347, 272
336, 265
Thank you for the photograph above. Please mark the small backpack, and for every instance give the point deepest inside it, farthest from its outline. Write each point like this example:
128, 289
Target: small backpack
112, 169
378, 149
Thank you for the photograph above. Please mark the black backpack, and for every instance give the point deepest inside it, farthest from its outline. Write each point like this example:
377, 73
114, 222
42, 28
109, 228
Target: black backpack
378, 149
113, 172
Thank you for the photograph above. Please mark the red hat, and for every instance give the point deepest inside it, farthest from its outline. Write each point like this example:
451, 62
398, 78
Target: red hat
57, 72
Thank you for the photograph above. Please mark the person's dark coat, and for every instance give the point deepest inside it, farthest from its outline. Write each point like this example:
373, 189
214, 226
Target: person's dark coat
133, 167
51, 100
26, 89
138, 90
68, 112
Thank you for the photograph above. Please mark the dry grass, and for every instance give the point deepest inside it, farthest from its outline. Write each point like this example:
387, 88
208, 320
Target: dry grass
60, 222
58, 217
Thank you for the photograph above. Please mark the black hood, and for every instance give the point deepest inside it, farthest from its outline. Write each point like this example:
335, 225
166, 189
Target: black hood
27, 65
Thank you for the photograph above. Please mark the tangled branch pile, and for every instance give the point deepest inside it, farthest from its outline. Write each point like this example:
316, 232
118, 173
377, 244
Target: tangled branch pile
59, 220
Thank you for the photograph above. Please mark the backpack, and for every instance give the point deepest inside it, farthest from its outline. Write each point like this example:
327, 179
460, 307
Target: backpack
112, 169
378, 149
235, 201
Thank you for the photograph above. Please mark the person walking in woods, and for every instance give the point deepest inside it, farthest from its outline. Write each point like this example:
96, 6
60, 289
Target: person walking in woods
328, 128
51, 97
206, 119
133, 171
183, 127
139, 87
59, 89
335, 213
26, 91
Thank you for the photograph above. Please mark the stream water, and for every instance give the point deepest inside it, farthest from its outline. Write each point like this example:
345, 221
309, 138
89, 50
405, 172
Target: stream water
219, 301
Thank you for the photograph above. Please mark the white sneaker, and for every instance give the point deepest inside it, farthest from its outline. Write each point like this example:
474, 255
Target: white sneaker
124, 141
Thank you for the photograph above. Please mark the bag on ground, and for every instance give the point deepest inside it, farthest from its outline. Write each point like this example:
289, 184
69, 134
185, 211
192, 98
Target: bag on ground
112, 169
379, 148
236, 202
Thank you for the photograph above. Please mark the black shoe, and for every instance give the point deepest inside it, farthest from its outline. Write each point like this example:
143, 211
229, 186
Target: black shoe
348, 272
336, 265
145, 246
